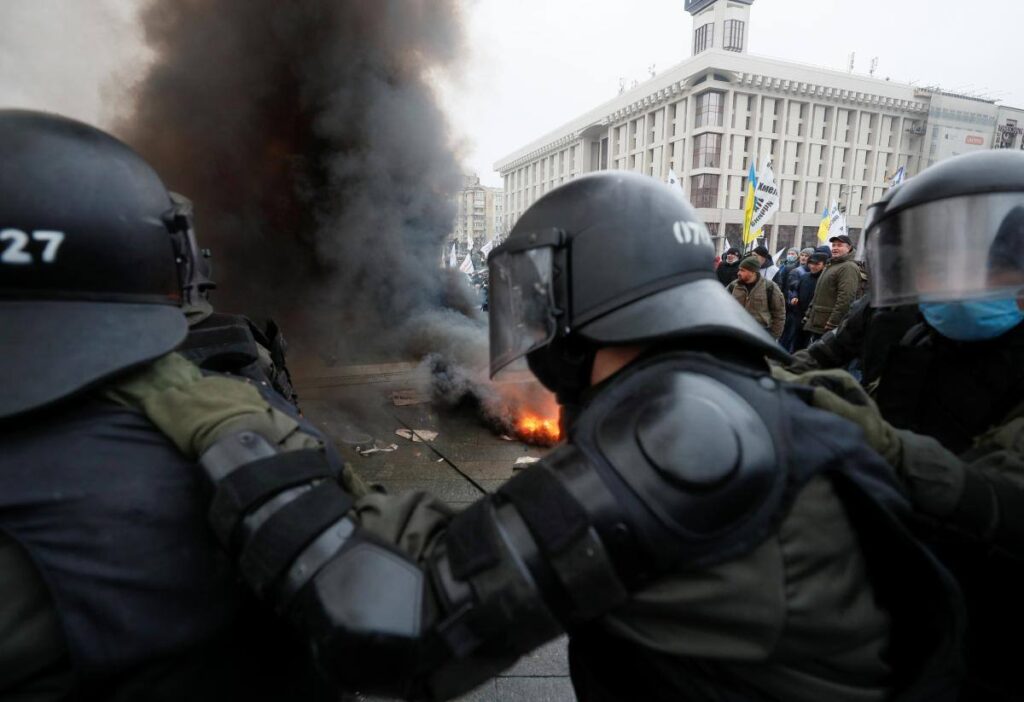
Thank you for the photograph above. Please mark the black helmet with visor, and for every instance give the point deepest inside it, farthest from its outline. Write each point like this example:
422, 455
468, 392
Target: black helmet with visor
610, 258
954, 232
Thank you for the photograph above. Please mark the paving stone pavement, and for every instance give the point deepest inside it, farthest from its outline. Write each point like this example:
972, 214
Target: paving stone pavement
353, 403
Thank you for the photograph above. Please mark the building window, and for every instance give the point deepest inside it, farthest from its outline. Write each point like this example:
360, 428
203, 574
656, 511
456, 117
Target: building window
808, 237
703, 38
707, 151
709, 109
733, 35
704, 190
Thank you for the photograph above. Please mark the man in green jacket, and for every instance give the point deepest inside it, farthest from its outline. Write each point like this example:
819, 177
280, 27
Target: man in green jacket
760, 297
837, 289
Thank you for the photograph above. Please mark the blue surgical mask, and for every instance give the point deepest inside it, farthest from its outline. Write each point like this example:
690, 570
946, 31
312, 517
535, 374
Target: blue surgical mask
791, 258
973, 320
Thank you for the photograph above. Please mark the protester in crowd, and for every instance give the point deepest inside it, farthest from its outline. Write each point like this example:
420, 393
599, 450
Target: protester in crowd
787, 279
760, 297
800, 298
767, 266
836, 291
726, 270
788, 264
792, 281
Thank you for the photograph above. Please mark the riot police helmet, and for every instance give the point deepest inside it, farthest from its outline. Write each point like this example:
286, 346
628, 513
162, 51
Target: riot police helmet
611, 258
91, 253
194, 269
952, 233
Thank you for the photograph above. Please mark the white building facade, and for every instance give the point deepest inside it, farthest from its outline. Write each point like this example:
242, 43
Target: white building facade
832, 136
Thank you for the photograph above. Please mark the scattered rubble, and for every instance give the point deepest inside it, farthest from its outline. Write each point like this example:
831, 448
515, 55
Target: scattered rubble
376, 447
417, 435
524, 461
402, 398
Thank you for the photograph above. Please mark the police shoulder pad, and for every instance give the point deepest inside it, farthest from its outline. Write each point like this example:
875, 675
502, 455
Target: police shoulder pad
699, 456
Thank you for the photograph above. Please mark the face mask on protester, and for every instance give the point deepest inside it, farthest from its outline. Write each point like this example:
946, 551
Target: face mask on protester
974, 320
790, 258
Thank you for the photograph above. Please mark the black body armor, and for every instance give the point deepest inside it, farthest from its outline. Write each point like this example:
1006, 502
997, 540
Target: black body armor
638, 492
232, 343
951, 390
111, 514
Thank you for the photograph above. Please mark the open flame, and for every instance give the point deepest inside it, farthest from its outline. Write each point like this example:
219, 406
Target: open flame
535, 429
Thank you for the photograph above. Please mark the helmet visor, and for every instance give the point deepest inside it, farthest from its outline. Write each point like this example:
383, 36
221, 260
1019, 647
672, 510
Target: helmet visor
953, 249
521, 304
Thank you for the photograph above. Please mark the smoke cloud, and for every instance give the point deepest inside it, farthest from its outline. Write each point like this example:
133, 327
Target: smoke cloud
310, 138
323, 172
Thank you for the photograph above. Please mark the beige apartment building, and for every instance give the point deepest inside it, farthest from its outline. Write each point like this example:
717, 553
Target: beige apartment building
832, 135
479, 217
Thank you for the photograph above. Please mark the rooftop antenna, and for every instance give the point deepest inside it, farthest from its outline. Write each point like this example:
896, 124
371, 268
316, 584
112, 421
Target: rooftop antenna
622, 84
651, 71
853, 55
874, 66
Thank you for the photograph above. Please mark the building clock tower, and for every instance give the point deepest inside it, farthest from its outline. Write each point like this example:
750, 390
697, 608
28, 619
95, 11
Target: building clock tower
719, 24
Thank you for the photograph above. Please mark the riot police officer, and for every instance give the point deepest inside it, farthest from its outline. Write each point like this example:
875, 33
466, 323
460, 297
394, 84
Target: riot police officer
703, 534
113, 586
219, 342
946, 252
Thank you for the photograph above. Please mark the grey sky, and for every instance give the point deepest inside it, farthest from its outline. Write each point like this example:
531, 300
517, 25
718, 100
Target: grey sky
535, 64
74, 57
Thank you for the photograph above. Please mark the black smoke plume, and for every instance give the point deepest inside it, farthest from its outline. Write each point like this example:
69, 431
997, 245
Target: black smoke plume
310, 139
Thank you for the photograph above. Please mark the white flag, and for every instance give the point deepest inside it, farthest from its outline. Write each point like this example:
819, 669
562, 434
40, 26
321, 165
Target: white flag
836, 222
766, 198
467, 265
486, 248
725, 246
899, 177
453, 260
673, 179
772, 269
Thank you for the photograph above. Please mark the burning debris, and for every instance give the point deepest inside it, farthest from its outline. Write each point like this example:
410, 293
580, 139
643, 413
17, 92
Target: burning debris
538, 430
525, 410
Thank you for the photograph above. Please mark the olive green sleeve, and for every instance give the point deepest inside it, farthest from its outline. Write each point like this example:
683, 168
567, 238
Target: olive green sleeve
194, 410
847, 283
413, 521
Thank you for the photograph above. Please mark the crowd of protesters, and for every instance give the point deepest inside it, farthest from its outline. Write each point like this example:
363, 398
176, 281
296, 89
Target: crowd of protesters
798, 298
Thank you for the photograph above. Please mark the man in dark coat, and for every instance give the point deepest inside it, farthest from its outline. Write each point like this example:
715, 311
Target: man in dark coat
788, 280
729, 266
800, 302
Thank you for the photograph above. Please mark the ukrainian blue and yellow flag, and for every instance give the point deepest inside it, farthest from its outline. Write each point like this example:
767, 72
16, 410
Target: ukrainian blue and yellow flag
748, 206
823, 227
